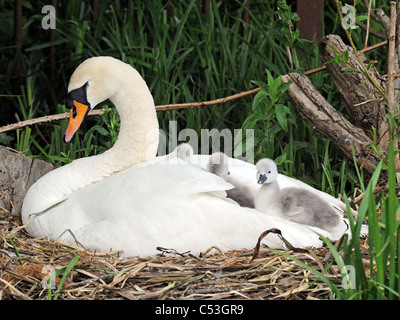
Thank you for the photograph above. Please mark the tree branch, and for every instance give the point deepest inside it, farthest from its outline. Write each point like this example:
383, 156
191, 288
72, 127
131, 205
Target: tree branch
62, 116
392, 105
380, 17
392, 108
374, 32
324, 118
354, 89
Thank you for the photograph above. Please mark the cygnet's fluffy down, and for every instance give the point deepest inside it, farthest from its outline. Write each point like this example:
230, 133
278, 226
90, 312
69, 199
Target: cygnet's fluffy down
295, 204
218, 164
184, 151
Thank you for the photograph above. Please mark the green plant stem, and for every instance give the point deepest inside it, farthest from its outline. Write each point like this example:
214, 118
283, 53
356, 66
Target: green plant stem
366, 72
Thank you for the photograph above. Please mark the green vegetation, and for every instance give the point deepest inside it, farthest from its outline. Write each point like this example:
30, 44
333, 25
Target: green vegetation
186, 55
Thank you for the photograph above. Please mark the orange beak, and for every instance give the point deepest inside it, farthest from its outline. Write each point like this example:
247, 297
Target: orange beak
76, 116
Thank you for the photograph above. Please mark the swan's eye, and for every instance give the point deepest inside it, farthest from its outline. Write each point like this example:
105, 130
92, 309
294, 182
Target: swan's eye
269, 171
229, 173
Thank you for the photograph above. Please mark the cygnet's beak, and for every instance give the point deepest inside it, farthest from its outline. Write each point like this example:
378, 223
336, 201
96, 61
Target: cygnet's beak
262, 179
76, 116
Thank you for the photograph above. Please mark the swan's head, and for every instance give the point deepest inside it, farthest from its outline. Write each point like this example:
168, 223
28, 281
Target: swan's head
266, 171
95, 80
184, 151
218, 164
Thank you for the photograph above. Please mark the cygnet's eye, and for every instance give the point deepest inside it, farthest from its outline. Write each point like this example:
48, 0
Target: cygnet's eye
229, 173
269, 171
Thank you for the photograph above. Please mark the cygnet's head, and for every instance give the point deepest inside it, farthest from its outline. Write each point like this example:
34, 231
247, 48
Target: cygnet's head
184, 151
93, 81
218, 164
266, 171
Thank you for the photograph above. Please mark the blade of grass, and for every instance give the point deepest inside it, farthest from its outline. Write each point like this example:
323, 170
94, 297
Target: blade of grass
67, 270
15, 249
318, 274
393, 205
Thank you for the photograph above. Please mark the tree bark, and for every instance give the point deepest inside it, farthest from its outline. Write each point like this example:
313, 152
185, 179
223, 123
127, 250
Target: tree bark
17, 174
324, 118
361, 98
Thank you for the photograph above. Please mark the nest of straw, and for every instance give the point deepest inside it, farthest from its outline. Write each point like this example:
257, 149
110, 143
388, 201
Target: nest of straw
32, 268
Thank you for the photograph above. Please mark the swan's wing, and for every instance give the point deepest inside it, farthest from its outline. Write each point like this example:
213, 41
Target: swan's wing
176, 206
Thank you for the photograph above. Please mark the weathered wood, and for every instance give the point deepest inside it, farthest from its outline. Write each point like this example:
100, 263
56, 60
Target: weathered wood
362, 100
324, 118
17, 173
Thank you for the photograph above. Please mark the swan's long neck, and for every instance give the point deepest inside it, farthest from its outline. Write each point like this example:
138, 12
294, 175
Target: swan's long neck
137, 142
138, 136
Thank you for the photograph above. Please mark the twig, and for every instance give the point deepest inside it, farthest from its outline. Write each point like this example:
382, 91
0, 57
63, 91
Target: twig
374, 32
53, 117
391, 63
368, 23
379, 17
392, 108
62, 116
365, 102
207, 103
398, 35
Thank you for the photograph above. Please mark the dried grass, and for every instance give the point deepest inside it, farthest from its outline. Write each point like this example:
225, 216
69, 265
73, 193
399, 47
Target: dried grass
26, 262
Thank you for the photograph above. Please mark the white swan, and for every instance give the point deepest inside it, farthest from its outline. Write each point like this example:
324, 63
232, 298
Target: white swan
126, 199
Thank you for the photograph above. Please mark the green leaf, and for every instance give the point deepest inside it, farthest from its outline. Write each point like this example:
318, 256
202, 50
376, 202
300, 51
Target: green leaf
260, 99
46, 45
345, 55
337, 59
361, 17
350, 69
280, 112
263, 86
67, 270
5, 139
252, 120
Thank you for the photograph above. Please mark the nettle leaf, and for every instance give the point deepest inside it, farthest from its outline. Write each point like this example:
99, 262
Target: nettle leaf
281, 112
262, 85
345, 55
338, 59
361, 17
252, 120
259, 101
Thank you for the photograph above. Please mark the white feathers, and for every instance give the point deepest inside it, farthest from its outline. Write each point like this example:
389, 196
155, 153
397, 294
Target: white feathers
127, 199
295, 204
218, 164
